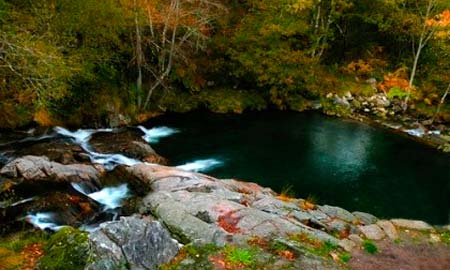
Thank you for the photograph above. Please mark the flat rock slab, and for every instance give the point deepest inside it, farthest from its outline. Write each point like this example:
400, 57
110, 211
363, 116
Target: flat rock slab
136, 243
36, 168
412, 224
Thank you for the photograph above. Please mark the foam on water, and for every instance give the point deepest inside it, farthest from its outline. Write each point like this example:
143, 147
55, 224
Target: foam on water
43, 221
109, 197
154, 134
418, 132
202, 165
82, 137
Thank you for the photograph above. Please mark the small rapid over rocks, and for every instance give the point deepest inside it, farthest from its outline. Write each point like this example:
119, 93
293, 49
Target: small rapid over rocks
71, 178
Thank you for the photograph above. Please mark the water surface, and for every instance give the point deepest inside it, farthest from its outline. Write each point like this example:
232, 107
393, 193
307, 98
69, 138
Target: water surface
338, 162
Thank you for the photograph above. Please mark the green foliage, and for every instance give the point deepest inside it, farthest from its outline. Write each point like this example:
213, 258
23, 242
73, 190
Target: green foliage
445, 237
369, 247
240, 256
396, 92
18, 241
66, 249
345, 257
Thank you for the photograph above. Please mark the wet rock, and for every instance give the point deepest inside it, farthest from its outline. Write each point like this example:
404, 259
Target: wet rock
337, 212
372, 232
127, 142
57, 150
388, 228
35, 168
137, 243
365, 218
412, 224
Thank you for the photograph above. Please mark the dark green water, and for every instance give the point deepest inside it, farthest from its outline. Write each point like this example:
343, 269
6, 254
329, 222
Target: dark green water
338, 162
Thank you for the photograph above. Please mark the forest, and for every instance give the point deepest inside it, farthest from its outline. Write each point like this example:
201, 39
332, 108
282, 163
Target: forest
119, 61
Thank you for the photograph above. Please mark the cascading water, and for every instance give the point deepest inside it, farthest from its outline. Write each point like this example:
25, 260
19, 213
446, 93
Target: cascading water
82, 137
154, 134
202, 165
111, 198
43, 221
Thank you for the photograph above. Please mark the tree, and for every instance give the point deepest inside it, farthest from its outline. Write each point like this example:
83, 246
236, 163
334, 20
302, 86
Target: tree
174, 30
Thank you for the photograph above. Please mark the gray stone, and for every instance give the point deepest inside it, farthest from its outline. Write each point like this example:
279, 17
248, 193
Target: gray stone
337, 225
372, 232
365, 218
412, 224
131, 243
341, 101
388, 228
347, 245
337, 212
36, 168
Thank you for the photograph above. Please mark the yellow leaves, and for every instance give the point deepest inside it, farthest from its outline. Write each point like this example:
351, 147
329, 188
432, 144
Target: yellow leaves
43, 118
299, 5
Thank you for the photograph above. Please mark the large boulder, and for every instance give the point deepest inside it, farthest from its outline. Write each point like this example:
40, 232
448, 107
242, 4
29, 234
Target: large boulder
202, 209
38, 168
134, 243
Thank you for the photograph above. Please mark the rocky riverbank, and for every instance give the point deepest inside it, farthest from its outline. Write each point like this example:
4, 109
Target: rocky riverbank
177, 219
380, 110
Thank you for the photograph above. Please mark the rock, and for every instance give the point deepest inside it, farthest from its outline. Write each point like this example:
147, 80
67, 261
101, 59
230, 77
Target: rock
356, 239
412, 224
337, 225
365, 218
341, 101
202, 209
347, 245
388, 228
127, 142
35, 168
135, 243
372, 232
337, 212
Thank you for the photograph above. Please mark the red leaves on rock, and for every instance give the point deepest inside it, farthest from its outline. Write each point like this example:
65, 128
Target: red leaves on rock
229, 221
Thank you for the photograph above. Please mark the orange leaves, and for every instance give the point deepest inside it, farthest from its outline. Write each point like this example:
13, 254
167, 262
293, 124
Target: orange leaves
441, 20
442, 23
229, 222
359, 68
396, 79
31, 255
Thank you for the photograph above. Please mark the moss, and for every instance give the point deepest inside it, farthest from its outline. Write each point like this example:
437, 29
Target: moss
240, 256
67, 249
445, 237
370, 247
20, 240
330, 108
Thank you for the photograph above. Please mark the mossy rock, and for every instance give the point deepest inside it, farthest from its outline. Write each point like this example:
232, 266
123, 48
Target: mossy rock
67, 249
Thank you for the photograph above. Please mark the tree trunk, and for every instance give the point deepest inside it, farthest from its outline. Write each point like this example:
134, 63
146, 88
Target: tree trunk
438, 109
139, 56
